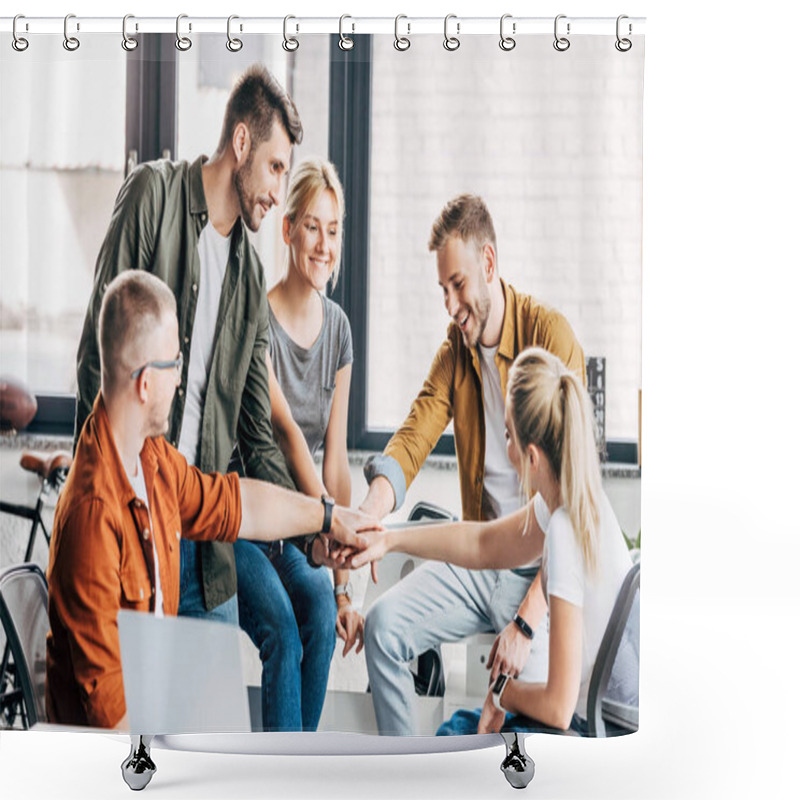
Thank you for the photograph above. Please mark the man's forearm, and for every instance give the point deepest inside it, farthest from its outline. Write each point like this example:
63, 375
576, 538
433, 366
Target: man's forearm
380, 498
271, 512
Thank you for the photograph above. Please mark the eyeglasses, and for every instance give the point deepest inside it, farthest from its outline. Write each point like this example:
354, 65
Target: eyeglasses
176, 364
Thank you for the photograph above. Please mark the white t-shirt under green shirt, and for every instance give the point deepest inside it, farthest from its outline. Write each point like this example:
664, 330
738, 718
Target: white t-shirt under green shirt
214, 250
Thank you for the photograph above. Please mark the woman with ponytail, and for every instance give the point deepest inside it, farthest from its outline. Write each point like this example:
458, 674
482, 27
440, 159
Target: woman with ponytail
568, 520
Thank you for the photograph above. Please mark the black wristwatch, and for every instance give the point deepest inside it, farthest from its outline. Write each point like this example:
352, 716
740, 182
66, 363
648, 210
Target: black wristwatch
523, 626
328, 518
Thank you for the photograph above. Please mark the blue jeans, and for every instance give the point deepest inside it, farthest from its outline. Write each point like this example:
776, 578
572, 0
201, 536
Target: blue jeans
288, 610
192, 603
464, 722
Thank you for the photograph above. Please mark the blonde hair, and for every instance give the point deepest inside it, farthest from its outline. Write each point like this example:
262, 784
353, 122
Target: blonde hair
550, 408
309, 179
467, 217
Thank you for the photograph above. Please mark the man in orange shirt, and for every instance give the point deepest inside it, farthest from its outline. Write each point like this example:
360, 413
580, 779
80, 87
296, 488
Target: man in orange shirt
130, 497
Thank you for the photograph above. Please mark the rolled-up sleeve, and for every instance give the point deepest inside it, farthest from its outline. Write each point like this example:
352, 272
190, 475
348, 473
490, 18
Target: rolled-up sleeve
390, 469
210, 505
261, 456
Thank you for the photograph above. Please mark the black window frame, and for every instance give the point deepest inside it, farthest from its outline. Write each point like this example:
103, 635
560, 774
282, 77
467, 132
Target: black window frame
349, 148
151, 132
151, 115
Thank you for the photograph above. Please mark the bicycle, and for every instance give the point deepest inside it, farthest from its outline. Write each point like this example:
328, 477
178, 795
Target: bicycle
52, 470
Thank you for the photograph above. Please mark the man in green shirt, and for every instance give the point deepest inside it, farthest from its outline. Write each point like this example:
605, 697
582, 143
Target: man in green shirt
185, 223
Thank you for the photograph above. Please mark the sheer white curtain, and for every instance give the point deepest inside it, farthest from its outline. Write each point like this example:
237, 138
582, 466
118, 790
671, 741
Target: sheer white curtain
62, 153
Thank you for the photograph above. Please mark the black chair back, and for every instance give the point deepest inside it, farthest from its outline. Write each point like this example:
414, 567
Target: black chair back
613, 699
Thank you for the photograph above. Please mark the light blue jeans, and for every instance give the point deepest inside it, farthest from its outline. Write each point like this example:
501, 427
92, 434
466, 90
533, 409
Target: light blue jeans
437, 603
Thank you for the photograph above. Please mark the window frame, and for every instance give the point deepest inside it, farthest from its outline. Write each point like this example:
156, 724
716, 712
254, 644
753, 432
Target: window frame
151, 131
151, 94
349, 137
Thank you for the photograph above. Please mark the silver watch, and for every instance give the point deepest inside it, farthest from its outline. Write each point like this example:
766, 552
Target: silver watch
497, 691
345, 589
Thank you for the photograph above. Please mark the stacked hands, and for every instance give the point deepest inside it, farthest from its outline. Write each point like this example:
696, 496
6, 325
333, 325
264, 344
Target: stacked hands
357, 539
347, 537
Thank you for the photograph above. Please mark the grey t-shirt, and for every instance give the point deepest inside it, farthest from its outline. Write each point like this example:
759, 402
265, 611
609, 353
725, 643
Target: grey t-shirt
308, 376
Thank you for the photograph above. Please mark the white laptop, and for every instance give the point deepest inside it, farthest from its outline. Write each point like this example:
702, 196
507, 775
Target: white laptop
182, 675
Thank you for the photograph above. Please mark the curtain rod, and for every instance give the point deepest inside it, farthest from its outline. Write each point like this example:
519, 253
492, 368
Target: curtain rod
299, 25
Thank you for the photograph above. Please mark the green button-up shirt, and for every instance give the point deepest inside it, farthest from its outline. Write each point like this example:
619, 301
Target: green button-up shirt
157, 220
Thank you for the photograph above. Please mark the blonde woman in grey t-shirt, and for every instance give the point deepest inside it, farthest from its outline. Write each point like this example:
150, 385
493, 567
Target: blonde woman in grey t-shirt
311, 354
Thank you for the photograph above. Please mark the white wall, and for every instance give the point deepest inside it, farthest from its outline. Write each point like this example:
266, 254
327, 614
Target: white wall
553, 144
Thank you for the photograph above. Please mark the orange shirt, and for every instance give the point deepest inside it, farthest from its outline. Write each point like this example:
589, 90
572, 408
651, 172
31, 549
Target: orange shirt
102, 560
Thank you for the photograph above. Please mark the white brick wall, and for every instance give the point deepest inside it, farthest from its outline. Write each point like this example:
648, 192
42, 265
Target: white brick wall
552, 142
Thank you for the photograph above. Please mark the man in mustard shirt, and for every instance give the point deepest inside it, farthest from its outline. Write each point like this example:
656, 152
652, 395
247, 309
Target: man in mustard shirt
491, 324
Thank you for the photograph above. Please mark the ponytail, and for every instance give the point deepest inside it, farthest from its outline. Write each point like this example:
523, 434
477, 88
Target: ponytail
550, 408
580, 470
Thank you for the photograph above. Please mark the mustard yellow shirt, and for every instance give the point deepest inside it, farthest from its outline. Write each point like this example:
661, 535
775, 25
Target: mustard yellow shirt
453, 390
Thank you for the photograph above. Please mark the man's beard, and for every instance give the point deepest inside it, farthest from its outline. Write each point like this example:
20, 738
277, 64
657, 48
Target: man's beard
480, 314
247, 202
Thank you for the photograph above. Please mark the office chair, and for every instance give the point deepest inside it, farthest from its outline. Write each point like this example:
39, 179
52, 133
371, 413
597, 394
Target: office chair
23, 613
613, 699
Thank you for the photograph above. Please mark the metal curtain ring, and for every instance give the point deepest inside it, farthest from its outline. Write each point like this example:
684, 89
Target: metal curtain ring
233, 44
401, 43
183, 43
128, 42
507, 42
290, 43
451, 42
345, 42
19, 43
70, 42
623, 45
561, 43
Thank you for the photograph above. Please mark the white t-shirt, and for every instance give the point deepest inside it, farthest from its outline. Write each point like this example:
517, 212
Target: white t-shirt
140, 490
500, 483
213, 250
564, 575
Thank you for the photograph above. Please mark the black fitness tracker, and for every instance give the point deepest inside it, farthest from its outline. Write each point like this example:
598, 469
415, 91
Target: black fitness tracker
326, 522
523, 626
